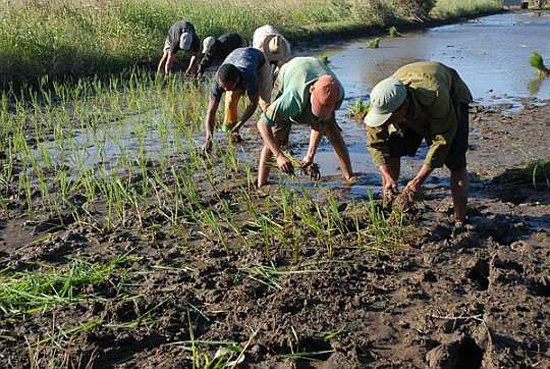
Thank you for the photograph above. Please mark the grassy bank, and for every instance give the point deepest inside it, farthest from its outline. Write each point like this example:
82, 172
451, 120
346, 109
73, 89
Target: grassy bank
77, 38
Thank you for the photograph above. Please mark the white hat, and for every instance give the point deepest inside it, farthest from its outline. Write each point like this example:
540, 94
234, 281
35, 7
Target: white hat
276, 48
186, 39
385, 98
207, 44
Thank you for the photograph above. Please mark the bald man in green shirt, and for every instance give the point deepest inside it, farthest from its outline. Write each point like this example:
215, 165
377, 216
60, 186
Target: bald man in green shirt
306, 92
423, 100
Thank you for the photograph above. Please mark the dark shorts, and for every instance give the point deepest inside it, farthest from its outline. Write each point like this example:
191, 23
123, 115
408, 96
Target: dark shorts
407, 143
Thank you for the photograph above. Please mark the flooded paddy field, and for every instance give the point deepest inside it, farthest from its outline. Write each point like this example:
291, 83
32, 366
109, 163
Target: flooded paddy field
123, 245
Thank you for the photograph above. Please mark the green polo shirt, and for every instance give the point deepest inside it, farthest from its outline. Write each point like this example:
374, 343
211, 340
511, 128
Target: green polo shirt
292, 100
435, 91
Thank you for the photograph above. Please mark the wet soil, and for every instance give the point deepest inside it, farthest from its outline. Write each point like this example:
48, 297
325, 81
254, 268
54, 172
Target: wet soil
471, 297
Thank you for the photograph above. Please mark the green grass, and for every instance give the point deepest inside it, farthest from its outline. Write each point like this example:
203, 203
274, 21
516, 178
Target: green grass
393, 32
539, 171
25, 292
68, 39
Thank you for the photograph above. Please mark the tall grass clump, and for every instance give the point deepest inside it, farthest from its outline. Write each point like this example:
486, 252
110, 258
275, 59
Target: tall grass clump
537, 62
448, 9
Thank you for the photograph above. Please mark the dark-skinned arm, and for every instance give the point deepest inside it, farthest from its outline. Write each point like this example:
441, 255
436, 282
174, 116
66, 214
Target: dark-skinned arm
209, 122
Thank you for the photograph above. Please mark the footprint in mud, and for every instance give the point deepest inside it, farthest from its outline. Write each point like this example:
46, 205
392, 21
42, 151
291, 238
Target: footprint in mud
479, 274
462, 353
541, 286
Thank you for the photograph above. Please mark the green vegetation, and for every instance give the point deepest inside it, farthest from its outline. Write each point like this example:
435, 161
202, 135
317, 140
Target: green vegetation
359, 108
22, 292
393, 32
537, 62
374, 44
67, 39
539, 170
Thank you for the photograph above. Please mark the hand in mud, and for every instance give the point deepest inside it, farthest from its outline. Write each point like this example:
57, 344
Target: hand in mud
284, 164
412, 186
307, 160
207, 147
404, 202
390, 193
235, 137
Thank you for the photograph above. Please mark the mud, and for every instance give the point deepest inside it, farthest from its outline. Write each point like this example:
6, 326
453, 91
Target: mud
475, 297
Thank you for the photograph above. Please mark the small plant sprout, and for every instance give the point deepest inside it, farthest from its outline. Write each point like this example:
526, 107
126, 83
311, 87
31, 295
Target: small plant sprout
374, 44
393, 32
359, 108
537, 62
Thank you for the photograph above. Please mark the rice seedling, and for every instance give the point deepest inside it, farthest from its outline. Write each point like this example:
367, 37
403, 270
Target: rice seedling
359, 108
393, 32
28, 292
537, 62
374, 44
311, 170
385, 234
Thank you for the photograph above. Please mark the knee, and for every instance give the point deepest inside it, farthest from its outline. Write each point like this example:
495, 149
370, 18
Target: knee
460, 178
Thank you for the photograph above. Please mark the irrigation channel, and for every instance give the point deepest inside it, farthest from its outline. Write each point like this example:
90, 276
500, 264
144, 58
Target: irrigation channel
490, 54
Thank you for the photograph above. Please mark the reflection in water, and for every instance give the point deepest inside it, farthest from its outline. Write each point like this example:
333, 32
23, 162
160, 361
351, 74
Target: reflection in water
535, 85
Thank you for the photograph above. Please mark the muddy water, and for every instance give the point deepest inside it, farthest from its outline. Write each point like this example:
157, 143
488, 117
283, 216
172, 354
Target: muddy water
491, 54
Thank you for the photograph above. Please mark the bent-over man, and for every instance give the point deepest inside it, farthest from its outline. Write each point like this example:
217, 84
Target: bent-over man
181, 36
306, 92
217, 49
424, 100
243, 71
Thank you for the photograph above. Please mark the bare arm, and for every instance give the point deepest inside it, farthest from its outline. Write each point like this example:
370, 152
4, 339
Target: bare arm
192, 68
267, 135
209, 122
250, 109
415, 183
314, 139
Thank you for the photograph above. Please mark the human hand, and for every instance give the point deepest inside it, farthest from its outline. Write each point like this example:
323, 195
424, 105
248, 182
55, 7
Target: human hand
307, 160
207, 145
284, 164
413, 186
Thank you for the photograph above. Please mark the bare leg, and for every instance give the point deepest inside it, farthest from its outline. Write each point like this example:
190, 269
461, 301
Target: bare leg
337, 141
263, 168
460, 186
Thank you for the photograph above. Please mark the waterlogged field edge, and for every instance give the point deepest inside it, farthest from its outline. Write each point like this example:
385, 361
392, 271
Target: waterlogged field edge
64, 39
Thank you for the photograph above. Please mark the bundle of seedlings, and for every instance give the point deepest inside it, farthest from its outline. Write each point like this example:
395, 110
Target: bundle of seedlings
359, 109
312, 170
537, 62
374, 44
